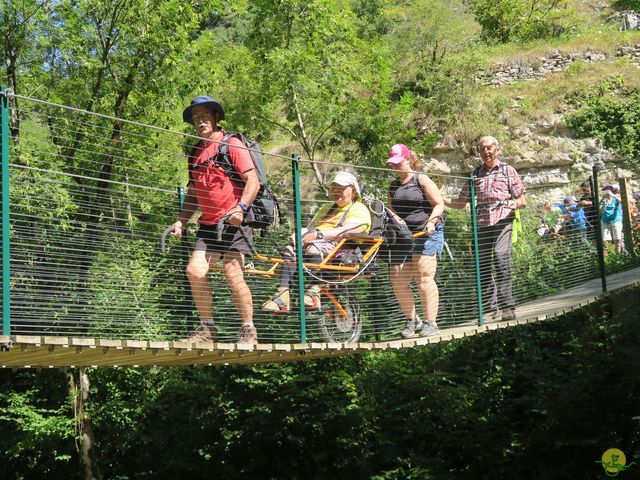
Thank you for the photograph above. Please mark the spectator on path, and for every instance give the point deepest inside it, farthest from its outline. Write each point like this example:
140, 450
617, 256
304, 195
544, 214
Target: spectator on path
611, 216
346, 215
499, 191
216, 195
416, 199
576, 222
590, 211
551, 223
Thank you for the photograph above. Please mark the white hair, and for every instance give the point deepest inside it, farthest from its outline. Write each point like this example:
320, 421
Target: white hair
491, 139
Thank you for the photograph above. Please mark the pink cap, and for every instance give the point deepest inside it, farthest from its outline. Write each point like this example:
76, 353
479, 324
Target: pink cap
398, 153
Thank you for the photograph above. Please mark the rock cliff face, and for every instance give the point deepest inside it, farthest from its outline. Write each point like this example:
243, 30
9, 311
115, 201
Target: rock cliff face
550, 166
543, 153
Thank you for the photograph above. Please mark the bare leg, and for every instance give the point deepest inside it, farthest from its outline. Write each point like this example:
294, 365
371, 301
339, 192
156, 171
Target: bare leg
618, 245
233, 263
401, 276
197, 271
429, 295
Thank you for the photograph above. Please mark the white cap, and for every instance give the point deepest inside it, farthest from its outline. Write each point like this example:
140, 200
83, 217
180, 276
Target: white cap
347, 179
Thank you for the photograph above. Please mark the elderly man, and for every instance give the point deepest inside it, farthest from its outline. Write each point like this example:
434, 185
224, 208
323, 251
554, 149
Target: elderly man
347, 214
499, 192
216, 195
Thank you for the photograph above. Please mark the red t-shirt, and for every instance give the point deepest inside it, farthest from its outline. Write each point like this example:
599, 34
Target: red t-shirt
215, 191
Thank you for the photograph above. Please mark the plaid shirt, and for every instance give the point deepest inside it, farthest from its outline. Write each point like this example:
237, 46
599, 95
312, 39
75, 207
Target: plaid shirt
493, 187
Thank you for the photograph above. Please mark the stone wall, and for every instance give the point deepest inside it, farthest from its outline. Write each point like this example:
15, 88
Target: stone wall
511, 72
628, 20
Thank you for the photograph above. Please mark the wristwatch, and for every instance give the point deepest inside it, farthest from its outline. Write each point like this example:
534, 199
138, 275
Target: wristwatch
243, 206
319, 235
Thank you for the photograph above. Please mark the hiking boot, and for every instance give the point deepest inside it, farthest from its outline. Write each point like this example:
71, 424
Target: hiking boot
279, 302
312, 298
429, 329
509, 314
410, 327
248, 335
206, 332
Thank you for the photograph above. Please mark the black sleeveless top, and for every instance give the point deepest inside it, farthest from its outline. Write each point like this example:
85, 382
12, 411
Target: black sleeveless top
409, 202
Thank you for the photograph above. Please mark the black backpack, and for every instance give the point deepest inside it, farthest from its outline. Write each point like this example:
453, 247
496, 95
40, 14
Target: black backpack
398, 239
264, 209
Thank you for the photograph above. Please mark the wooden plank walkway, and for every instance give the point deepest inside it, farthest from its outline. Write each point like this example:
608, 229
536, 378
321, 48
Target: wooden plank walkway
53, 352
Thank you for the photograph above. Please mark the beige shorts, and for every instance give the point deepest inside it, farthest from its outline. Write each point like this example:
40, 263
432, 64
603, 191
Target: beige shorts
612, 231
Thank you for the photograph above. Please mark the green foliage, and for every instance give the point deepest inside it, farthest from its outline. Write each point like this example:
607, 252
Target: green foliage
427, 31
508, 20
37, 424
546, 265
610, 112
627, 5
132, 298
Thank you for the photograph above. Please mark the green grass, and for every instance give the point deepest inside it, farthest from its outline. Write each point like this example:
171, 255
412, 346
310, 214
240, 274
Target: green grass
603, 38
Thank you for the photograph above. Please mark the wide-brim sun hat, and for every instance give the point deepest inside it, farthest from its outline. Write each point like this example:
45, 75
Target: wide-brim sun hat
346, 179
202, 101
398, 153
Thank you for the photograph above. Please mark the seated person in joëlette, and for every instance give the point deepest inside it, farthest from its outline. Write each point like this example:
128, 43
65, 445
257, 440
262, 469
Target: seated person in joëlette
347, 215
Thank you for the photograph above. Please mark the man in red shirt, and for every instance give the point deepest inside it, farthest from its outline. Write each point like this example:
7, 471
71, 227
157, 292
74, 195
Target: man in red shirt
499, 191
216, 195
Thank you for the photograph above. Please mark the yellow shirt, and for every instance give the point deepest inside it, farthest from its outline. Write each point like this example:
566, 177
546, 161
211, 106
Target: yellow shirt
358, 215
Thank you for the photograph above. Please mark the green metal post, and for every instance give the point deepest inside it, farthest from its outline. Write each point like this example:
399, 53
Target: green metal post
599, 242
297, 213
476, 249
6, 272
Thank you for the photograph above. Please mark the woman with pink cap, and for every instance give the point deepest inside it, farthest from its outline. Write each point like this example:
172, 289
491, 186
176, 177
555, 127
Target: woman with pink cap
417, 200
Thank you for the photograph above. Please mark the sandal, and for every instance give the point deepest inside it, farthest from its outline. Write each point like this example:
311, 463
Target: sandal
278, 303
312, 298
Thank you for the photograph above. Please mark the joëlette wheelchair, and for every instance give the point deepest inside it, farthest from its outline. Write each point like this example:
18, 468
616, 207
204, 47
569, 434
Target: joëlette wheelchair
339, 318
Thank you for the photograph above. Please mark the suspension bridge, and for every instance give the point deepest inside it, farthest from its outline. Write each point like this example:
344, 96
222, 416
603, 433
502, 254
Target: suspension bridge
85, 198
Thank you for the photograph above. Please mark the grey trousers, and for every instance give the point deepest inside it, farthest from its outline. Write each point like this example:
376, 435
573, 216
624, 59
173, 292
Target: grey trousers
494, 244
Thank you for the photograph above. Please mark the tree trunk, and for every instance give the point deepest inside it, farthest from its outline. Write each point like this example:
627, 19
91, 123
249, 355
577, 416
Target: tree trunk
84, 430
307, 144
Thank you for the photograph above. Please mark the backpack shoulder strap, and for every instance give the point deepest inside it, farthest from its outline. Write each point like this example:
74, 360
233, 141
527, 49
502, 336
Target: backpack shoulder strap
224, 156
344, 215
191, 158
416, 182
333, 208
504, 171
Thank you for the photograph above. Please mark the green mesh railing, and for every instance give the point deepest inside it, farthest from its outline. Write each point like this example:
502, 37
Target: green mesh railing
86, 198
